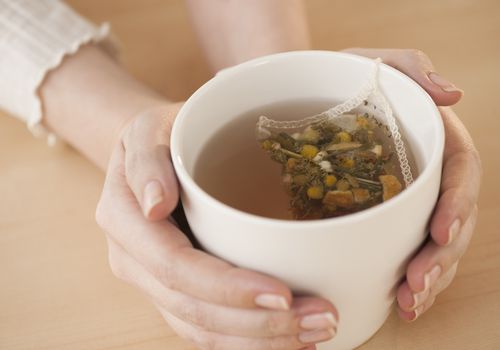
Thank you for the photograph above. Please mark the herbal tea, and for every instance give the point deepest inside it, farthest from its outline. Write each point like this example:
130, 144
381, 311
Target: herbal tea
322, 171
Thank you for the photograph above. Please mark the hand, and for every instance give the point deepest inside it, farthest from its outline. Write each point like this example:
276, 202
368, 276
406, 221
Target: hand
204, 299
454, 218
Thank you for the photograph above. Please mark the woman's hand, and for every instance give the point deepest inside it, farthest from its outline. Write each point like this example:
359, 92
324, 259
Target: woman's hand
454, 218
452, 224
204, 299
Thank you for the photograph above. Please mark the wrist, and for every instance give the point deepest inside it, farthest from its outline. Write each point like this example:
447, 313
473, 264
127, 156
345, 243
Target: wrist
89, 99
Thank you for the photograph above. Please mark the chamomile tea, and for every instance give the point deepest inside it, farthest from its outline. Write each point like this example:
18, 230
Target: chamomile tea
325, 170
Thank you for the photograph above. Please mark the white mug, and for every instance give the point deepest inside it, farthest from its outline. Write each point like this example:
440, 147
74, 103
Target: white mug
355, 261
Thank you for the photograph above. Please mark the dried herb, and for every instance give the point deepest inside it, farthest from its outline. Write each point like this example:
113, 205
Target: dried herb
329, 171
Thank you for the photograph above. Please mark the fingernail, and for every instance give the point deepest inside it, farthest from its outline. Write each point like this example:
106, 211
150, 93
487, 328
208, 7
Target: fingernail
272, 301
431, 277
319, 321
417, 312
153, 194
419, 298
317, 336
444, 84
453, 231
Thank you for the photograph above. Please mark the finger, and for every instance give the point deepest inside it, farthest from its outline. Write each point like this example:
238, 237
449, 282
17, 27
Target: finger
419, 67
306, 313
163, 250
168, 255
460, 181
442, 283
209, 340
314, 314
118, 208
413, 315
433, 260
148, 167
408, 301
115, 189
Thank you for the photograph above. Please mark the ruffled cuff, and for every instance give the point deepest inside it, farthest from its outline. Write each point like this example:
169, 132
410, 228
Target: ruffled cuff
35, 36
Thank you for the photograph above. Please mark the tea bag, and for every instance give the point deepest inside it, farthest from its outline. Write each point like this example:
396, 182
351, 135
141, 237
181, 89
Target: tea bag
348, 158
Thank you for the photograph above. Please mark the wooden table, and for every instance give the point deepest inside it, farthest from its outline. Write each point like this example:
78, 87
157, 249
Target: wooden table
57, 291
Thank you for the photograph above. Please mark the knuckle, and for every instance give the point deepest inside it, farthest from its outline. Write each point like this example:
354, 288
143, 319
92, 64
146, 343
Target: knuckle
228, 294
131, 130
166, 272
280, 343
468, 148
470, 155
231, 291
474, 154
133, 162
417, 53
105, 217
101, 214
469, 204
475, 214
465, 205
144, 124
194, 313
276, 323
207, 342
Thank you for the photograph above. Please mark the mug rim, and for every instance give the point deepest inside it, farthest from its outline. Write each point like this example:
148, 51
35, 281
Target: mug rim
187, 180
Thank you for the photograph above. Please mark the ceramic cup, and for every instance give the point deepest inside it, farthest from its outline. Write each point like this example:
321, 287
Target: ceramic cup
356, 261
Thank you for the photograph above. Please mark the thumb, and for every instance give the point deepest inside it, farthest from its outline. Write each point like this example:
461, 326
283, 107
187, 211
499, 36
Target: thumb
418, 66
148, 168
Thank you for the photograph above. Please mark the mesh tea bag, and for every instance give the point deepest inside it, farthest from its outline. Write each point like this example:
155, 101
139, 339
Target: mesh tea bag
348, 158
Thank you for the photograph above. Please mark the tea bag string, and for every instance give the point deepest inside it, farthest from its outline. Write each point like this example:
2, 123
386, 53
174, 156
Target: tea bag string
379, 100
346, 106
369, 92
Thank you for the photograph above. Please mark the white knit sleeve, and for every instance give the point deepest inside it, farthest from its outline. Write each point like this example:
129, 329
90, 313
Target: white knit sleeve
35, 35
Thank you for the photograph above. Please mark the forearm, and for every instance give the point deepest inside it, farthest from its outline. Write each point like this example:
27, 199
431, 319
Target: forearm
232, 31
88, 100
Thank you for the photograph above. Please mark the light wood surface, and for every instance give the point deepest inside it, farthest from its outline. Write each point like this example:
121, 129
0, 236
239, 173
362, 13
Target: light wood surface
57, 291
